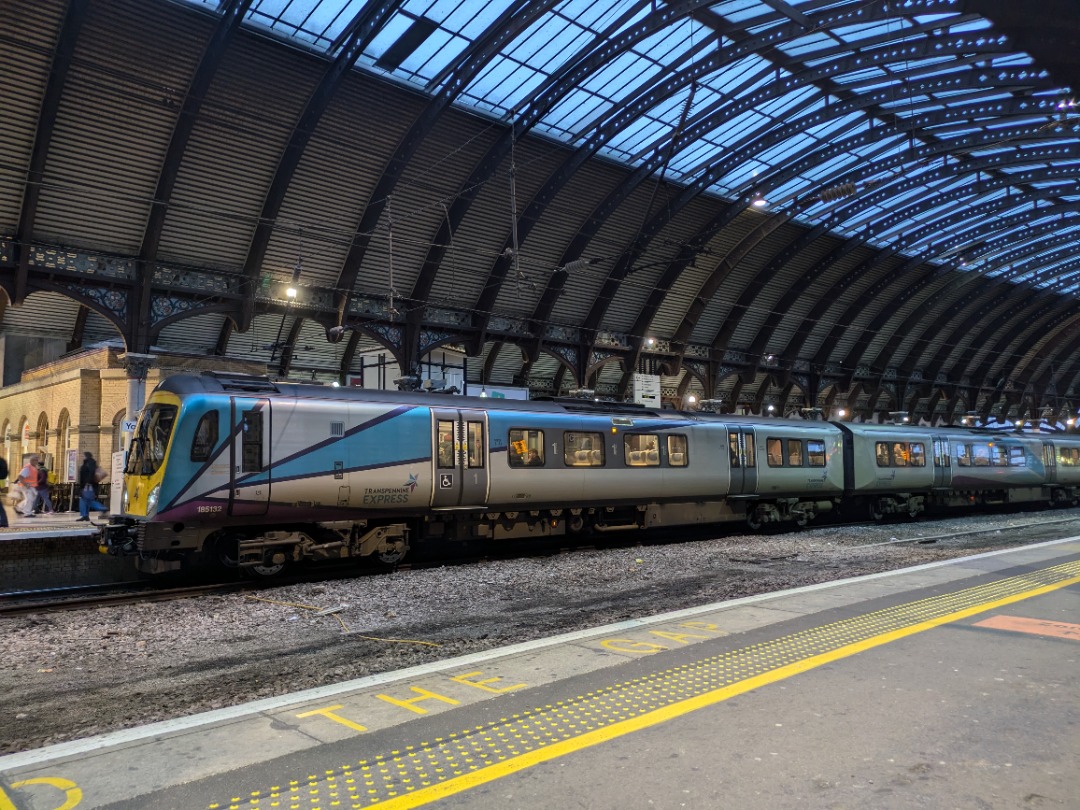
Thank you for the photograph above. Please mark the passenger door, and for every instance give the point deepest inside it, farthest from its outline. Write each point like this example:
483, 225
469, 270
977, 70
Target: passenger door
741, 453
1049, 462
460, 457
942, 462
249, 457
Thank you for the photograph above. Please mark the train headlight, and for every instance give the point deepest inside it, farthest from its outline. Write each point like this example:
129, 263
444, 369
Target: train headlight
152, 499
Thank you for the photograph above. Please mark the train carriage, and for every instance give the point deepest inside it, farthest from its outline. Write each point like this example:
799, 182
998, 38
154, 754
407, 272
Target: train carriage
247, 473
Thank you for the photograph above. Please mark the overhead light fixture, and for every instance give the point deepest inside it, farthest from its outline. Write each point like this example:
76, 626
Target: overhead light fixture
841, 413
650, 342
759, 201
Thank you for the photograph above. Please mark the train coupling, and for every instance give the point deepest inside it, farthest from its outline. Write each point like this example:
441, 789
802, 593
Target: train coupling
119, 538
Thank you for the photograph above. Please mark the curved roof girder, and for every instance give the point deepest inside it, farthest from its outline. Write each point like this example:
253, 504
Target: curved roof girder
1058, 321
362, 30
963, 316
1043, 372
232, 18
509, 25
853, 360
1068, 374
979, 304
936, 326
753, 289
591, 58
854, 357
63, 53
1019, 340
649, 231
727, 112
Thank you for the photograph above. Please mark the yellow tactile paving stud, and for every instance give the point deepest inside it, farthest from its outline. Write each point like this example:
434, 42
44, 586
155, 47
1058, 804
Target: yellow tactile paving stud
428, 770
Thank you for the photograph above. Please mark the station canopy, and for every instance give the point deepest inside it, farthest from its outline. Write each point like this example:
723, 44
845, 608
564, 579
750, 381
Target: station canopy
873, 202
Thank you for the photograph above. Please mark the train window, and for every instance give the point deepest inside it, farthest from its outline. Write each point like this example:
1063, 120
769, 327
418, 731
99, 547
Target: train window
445, 430
748, 447
999, 455
206, 437
1069, 456
881, 453
583, 449
941, 453
815, 452
794, 452
526, 448
775, 452
676, 451
1017, 457
918, 454
980, 455
733, 448
963, 455
474, 455
641, 450
251, 451
900, 454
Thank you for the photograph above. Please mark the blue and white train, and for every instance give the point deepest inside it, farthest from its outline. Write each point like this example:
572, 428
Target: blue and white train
249, 473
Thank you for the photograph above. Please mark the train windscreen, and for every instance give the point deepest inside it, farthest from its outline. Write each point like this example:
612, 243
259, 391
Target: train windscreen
148, 445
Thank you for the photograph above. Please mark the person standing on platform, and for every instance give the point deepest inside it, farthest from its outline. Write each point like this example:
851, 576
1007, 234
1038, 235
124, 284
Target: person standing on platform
88, 481
44, 500
27, 482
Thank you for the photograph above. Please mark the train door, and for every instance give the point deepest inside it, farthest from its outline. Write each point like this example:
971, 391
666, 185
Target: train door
942, 462
1049, 462
249, 490
743, 462
460, 458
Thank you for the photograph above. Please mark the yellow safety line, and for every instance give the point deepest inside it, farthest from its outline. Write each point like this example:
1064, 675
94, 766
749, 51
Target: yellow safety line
623, 727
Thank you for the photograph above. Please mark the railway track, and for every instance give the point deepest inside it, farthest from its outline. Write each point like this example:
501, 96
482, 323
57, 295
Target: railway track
46, 600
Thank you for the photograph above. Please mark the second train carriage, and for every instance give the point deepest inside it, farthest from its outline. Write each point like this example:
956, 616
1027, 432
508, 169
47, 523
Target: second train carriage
245, 472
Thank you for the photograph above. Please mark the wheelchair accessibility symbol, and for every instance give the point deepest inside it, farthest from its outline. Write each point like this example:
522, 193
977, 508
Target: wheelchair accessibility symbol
446, 481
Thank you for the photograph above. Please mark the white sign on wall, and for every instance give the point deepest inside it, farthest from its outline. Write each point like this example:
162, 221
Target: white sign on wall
647, 390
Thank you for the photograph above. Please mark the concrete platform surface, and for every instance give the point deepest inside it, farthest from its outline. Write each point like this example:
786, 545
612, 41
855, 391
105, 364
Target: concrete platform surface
949, 685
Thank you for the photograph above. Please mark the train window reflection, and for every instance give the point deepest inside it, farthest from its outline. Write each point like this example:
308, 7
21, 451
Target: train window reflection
815, 452
474, 457
1017, 457
445, 430
641, 449
251, 441
795, 452
676, 451
774, 452
583, 449
206, 437
918, 454
526, 448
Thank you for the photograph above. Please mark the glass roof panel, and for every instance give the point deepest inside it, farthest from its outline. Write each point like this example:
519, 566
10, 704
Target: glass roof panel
733, 107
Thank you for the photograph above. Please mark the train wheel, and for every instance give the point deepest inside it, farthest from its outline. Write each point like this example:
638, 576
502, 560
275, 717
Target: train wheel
753, 520
224, 554
877, 514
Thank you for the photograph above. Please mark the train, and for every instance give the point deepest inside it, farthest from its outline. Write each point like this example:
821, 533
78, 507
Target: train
243, 472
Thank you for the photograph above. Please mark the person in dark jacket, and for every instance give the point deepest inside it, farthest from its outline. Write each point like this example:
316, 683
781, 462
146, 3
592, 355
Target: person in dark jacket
88, 481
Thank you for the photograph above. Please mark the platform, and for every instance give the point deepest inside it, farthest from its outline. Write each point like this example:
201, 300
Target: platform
954, 684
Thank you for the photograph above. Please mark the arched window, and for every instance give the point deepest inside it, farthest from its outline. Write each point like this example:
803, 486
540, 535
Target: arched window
117, 432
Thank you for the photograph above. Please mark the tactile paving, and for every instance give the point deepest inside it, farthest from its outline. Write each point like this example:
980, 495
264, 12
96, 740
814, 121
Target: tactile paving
416, 774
